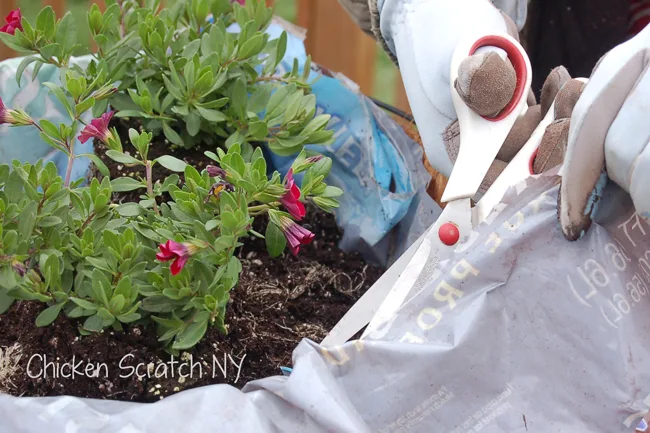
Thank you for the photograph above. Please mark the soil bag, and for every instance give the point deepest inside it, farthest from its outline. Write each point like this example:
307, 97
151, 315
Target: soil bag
519, 331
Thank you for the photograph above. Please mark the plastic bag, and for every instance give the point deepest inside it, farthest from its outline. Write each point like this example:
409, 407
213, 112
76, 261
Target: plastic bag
378, 166
520, 331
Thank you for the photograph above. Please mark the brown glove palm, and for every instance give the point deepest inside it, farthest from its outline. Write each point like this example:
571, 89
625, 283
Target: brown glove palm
558, 86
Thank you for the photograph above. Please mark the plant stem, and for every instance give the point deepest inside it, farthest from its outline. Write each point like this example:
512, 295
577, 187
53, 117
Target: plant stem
261, 207
272, 78
68, 171
85, 223
150, 187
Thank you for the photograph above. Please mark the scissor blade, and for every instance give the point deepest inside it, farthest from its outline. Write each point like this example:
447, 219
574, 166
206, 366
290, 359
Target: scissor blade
431, 252
367, 306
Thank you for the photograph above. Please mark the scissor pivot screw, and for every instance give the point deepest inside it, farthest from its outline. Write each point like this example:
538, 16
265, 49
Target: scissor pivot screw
449, 234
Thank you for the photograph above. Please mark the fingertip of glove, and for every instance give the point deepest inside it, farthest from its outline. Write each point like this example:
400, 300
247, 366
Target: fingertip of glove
486, 82
520, 133
567, 98
576, 218
552, 147
552, 86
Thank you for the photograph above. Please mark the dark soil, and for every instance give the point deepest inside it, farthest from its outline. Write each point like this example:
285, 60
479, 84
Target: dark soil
277, 303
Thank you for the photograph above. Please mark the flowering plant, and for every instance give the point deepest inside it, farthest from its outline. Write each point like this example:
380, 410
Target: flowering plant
169, 257
202, 72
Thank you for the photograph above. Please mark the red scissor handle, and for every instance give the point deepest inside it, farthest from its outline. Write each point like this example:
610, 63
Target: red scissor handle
518, 62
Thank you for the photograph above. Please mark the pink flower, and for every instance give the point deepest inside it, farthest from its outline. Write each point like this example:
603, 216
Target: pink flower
14, 117
291, 198
98, 129
180, 253
241, 2
296, 235
13, 21
5, 115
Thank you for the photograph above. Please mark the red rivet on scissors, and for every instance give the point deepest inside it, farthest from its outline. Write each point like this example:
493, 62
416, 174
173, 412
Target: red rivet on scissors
449, 234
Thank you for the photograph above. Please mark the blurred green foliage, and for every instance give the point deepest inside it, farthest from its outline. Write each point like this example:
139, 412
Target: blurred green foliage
385, 74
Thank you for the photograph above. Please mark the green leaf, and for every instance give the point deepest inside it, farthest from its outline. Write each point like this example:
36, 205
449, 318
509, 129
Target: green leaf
172, 135
84, 106
61, 97
123, 184
173, 89
129, 318
27, 220
211, 115
49, 221
317, 123
275, 240
86, 305
229, 220
97, 161
5, 300
101, 287
191, 49
332, 191
258, 130
94, 323
239, 97
49, 315
52, 50
23, 65
117, 304
46, 22
99, 264
129, 209
327, 204
171, 163
66, 32
131, 113
123, 158
281, 48
190, 336
193, 123
251, 47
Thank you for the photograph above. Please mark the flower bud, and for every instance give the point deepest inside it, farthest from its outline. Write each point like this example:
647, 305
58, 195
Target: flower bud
14, 117
215, 171
104, 93
19, 268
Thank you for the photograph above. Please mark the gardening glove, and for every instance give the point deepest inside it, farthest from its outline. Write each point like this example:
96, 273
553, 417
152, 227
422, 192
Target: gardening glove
608, 136
420, 37
521, 131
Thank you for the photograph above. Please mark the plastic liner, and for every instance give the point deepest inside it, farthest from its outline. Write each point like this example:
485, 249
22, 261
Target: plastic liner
520, 331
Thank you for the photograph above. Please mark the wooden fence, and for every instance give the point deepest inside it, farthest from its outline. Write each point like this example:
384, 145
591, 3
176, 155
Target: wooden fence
333, 40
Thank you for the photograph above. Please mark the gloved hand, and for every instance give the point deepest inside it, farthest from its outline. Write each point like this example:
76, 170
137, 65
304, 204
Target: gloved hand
420, 37
522, 130
608, 136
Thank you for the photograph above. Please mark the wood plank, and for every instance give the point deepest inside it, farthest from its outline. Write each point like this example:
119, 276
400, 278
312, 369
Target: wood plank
6, 6
335, 41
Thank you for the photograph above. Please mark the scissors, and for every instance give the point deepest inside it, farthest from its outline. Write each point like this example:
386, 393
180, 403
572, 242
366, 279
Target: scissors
480, 140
